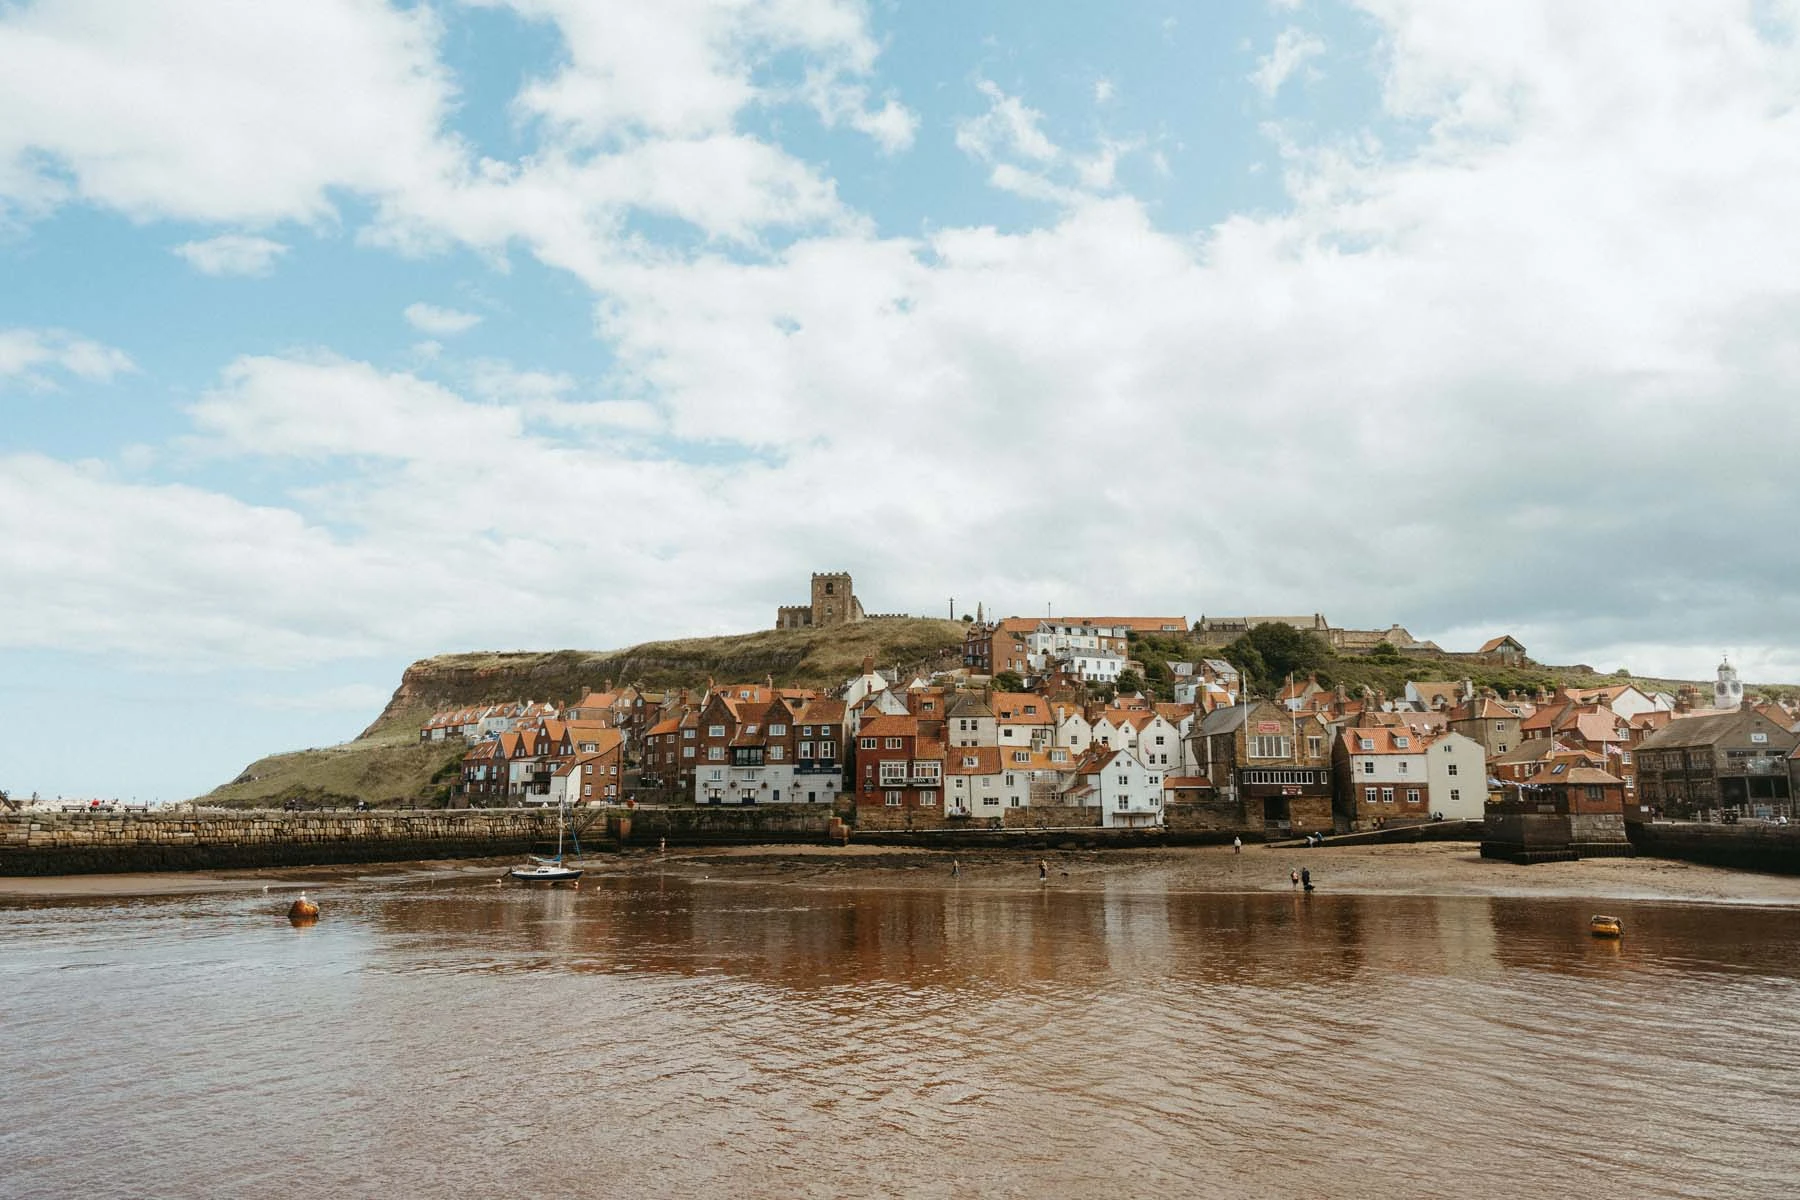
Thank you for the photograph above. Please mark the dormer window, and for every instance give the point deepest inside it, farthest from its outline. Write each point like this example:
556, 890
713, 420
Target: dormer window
1401, 743
1366, 743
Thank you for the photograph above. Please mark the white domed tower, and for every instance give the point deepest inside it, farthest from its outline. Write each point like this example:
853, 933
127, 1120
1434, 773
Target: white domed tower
1727, 692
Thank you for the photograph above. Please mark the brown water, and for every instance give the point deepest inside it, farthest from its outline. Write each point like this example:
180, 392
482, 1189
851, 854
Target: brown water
659, 1037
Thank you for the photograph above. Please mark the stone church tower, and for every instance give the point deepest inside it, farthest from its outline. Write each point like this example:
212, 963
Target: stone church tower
1727, 691
834, 602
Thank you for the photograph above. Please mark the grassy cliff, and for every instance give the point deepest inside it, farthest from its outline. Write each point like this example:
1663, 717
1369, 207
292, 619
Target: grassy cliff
386, 765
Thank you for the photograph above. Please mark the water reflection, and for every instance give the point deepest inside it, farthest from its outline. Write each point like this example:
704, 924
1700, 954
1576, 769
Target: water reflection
651, 1034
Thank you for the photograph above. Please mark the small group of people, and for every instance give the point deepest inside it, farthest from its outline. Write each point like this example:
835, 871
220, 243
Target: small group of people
1301, 878
1315, 839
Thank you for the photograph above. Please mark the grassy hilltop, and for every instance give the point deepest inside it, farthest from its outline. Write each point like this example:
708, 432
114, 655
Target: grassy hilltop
386, 764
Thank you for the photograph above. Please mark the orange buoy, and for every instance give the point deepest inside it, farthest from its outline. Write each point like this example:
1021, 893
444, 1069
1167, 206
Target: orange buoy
303, 909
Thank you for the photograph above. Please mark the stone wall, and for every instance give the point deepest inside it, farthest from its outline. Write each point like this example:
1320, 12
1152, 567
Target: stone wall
80, 843
1749, 847
722, 825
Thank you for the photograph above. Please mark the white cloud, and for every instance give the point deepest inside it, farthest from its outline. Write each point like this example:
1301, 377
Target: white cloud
215, 111
206, 110
440, 322
1520, 376
232, 254
1009, 127
326, 407
26, 354
1293, 49
1104, 91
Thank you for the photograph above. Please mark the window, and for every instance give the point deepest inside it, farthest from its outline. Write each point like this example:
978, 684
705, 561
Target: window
890, 743
1059, 756
715, 753
1402, 743
1159, 739
778, 731
1020, 756
1500, 749
1365, 743
687, 733
1368, 766
1412, 795
1401, 767
893, 799
928, 770
1314, 746
893, 772
1499, 726
1452, 768
827, 749
1455, 794
1270, 746
687, 752
970, 760
1368, 795
775, 753
806, 731
715, 731
805, 750
1387, 795
1122, 802
866, 743
715, 774
1124, 781
1009, 780
928, 799
995, 800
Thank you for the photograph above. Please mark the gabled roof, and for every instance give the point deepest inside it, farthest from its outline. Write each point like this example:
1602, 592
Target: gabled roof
1493, 644
821, 712
1224, 720
890, 725
1010, 708
986, 760
1384, 740
1717, 727
1599, 726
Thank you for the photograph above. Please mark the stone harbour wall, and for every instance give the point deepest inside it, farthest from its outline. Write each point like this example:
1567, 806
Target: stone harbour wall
1773, 848
84, 843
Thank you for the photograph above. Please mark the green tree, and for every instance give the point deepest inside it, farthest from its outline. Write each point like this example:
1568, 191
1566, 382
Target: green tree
1270, 653
1130, 683
1008, 681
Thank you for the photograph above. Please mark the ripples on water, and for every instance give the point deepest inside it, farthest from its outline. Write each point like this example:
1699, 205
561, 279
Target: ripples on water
648, 1036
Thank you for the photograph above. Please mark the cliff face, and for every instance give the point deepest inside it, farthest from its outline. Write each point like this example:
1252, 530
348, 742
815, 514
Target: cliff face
797, 658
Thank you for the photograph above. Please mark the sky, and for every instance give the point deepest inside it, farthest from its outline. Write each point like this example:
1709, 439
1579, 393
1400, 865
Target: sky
336, 334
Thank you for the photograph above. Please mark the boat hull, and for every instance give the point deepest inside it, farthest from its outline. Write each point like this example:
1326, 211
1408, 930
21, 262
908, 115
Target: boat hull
544, 874
1606, 927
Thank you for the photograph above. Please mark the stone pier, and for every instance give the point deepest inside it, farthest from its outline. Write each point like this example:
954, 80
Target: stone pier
83, 843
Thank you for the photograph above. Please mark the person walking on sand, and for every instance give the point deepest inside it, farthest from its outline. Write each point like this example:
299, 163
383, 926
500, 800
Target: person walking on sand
1294, 878
1237, 845
955, 868
1306, 879
1043, 871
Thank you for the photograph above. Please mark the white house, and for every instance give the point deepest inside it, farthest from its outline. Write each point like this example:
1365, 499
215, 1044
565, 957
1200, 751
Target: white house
1128, 793
1073, 731
1456, 768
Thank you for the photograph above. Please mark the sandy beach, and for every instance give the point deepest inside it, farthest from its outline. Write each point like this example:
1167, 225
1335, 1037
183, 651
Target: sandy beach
1435, 869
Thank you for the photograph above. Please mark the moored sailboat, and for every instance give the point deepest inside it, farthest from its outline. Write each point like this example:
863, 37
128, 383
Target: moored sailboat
549, 870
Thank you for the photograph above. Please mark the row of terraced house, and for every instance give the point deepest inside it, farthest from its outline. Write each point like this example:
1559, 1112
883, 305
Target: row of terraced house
947, 747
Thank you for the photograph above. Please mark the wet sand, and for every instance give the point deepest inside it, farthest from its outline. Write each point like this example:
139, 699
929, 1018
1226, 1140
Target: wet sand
1432, 869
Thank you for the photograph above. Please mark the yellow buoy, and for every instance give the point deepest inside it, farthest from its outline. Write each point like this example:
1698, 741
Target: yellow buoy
303, 910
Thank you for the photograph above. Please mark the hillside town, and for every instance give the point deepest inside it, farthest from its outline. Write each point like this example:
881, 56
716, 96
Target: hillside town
1048, 722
